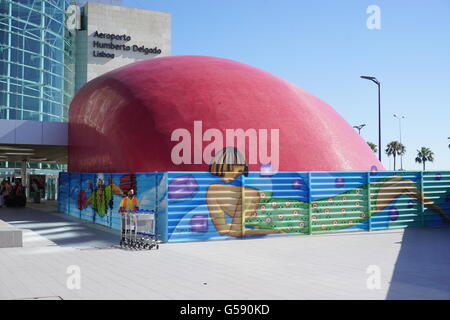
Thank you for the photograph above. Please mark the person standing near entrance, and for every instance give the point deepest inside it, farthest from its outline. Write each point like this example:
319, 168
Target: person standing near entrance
129, 203
6, 192
2, 190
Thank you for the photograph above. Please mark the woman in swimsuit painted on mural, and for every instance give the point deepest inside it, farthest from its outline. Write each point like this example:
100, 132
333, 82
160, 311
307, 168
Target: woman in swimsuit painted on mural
226, 205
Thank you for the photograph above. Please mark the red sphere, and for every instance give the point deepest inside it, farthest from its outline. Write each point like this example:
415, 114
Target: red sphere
123, 121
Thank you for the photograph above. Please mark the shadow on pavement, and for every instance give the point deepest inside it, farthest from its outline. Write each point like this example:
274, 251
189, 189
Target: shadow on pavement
422, 267
59, 228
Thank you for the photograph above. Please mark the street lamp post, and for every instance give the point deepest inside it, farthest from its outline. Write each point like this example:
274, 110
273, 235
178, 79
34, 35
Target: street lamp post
399, 117
373, 79
359, 127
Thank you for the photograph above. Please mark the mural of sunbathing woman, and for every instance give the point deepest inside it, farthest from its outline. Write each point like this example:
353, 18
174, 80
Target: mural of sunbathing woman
265, 214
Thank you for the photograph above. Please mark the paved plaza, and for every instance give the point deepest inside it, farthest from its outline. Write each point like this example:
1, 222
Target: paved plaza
412, 264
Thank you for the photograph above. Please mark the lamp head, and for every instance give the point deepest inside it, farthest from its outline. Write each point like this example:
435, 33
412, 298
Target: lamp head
371, 79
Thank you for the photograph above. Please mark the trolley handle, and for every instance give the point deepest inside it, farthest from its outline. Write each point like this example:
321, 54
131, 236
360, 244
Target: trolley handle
137, 211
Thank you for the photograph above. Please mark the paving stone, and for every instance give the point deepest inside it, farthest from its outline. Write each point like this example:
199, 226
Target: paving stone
413, 265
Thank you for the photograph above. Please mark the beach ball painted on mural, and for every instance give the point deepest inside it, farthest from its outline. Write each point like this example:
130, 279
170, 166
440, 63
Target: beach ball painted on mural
393, 214
182, 187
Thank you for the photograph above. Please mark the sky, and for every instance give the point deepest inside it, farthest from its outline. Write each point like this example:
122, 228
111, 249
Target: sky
324, 46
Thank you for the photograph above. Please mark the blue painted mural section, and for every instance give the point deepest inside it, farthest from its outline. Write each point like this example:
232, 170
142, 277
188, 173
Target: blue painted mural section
401, 206
188, 217
200, 206
63, 192
96, 197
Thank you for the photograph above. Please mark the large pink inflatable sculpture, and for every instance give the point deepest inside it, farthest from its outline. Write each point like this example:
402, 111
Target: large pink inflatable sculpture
164, 114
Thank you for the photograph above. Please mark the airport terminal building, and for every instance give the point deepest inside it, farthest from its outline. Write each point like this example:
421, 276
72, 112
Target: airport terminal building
48, 50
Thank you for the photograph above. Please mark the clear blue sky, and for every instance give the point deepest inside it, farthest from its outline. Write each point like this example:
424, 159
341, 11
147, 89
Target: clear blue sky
324, 46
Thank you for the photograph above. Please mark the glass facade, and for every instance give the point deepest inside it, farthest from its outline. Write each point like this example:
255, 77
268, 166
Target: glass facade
36, 60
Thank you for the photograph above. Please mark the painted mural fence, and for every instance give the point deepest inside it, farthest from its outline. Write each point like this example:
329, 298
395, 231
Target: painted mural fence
96, 197
199, 206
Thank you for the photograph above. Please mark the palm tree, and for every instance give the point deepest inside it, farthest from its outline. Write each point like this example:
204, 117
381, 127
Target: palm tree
395, 149
373, 146
424, 155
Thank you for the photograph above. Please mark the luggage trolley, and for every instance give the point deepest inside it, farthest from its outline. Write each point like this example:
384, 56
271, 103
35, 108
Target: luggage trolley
138, 229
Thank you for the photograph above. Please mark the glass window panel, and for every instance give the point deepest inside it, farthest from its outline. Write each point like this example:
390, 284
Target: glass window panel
32, 45
33, 165
47, 51
17, 25
29, 115
3, 97
56, 109
58, 43
56, 68
33, 32
57, 82
31, 92
55, 54
15, 88
31, 60
46, 105
59, 3
16, 81
24, 2
25, 66
3, 35
53, 25
47, 64
47, 79
16, 41
3, 68
52, 39
16, 70
31, 85
57, 15
16, 55
50, 9
34, 17
3, 56
47, 117
37, 5
31, 74
3, 7
51, 94
19, 11
14, 114
15, 100
30, 103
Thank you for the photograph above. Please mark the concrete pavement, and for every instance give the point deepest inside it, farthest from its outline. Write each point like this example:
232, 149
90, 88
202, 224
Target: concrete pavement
412, 264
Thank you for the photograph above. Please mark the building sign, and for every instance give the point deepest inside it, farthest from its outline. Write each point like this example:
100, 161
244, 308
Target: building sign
123, 46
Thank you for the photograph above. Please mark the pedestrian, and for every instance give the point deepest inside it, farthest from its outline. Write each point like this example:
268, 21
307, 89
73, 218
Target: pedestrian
2, 187
129, 203
6, 190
